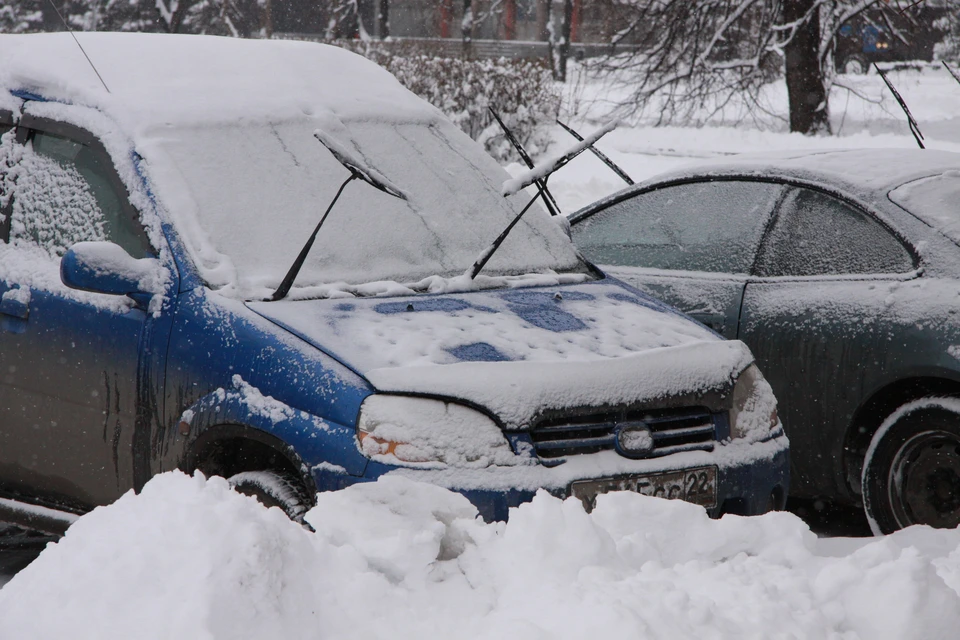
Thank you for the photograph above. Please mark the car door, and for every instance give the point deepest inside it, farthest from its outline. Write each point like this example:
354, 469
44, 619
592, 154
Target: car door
69, 360
690, 244
814, 319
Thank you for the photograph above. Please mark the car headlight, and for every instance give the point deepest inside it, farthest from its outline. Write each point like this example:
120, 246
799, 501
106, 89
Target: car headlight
424, 432
753, 416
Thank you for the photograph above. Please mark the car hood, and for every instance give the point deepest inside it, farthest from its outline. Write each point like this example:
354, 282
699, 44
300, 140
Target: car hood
519, 352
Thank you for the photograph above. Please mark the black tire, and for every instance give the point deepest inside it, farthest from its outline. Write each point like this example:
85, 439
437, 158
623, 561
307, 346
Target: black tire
912, 471
274, 489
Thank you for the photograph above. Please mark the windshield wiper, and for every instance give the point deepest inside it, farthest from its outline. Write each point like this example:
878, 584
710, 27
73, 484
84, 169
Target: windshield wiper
911, 122
600, 156
548, 198
952, 72
357, 169
534, 175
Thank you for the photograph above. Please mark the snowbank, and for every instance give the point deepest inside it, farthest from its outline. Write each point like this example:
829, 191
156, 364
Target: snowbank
188, 558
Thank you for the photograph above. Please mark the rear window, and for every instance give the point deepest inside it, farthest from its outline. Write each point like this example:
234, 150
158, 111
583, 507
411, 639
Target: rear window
934, 200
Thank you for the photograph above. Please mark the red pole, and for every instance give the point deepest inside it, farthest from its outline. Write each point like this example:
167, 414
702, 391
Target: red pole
510, 20
446, 17
575, 21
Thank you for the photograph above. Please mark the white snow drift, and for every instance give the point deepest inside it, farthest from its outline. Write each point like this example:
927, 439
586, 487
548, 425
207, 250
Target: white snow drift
188, 558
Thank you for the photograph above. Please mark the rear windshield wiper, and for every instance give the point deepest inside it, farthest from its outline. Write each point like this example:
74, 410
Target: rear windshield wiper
357, 169
524, 180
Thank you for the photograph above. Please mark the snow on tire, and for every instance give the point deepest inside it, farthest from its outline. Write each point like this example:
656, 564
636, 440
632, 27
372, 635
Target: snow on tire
911, 471
274, 489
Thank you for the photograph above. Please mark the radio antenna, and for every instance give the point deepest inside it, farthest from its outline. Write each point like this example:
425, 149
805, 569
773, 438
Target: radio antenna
70, 31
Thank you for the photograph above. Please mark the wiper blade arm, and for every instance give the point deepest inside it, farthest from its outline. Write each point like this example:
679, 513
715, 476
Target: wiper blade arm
488, 253
510, 187
911, 123
952, 72
288, 279
358, 170
548, 198
600, 155
544, 169
356, 166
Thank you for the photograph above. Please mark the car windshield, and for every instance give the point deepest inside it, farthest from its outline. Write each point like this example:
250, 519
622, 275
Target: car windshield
247, 197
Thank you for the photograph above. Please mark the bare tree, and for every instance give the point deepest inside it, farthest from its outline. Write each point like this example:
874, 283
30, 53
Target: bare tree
693, 58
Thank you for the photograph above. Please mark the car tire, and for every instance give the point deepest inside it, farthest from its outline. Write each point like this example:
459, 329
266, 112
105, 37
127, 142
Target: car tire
274, 489
855, 65
911, 472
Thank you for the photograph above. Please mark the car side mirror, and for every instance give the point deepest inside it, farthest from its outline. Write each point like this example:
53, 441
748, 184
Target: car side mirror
104, 267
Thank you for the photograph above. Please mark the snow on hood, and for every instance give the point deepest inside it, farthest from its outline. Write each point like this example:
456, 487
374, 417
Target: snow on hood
398, 560
521, 350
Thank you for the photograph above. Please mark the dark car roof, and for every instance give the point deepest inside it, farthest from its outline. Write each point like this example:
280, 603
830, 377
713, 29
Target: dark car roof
866, 172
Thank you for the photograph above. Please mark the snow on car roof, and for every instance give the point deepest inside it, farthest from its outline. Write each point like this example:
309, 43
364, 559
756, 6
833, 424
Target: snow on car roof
225, 128
863, 170
204, 78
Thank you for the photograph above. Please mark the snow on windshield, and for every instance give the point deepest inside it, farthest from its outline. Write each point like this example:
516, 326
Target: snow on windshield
247, 197
933, 200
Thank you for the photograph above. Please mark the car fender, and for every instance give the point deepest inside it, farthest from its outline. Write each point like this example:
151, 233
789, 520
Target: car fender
242, 411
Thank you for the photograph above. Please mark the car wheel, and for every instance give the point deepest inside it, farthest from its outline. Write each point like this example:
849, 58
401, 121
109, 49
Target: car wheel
274, 489
855, 65
911, 474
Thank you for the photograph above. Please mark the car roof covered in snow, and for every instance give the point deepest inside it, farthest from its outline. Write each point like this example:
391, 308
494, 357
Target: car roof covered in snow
870, 173
170, 80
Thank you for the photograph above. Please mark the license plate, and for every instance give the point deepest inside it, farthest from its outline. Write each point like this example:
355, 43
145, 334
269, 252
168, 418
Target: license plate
698, 486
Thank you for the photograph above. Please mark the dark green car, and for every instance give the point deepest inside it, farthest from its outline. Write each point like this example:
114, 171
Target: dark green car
841, 271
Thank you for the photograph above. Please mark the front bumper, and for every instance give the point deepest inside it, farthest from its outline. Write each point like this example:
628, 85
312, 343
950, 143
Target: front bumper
751, 478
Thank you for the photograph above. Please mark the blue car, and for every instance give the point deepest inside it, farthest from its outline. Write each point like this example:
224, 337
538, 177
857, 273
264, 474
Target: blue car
253, 259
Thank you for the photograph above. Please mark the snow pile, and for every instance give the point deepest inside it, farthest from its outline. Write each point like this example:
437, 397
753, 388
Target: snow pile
396, 559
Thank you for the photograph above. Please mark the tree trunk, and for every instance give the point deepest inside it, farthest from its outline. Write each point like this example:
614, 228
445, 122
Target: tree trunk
809, 112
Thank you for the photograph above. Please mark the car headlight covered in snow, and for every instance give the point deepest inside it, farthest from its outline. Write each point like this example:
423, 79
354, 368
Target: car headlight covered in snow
424, 431
753, 416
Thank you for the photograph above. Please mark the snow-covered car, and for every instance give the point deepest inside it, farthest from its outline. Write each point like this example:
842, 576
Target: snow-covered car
153, 207
841, 271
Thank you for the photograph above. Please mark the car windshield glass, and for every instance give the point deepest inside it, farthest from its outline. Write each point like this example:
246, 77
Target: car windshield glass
247, 197
933, 200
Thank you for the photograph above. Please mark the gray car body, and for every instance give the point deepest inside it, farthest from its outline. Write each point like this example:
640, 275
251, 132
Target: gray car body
841, 351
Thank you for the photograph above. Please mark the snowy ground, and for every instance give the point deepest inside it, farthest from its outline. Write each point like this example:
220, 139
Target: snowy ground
873, 120
190, 559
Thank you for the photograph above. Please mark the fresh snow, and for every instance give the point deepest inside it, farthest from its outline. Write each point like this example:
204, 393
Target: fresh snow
188, 558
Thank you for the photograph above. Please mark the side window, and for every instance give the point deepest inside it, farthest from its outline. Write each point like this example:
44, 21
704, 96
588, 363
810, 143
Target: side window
68, 192
704, 226
817, 234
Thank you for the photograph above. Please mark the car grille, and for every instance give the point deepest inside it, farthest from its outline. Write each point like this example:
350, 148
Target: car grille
688, 429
